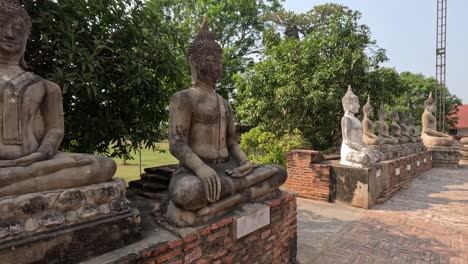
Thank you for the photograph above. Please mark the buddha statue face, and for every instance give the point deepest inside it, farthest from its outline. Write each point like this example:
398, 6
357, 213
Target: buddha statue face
395, 116
350, 102
209, 68
382, 113
14, 31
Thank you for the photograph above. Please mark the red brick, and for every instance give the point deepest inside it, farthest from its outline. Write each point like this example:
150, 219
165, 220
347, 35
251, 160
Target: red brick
190, 238
218, 234
191, 245
273, 203
265, 234
219, 254
174, 244
221, 223
203, 261
205, 231
228, 259
169, 255
193, 255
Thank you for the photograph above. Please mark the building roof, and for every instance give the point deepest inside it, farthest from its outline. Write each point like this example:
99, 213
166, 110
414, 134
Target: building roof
462, 116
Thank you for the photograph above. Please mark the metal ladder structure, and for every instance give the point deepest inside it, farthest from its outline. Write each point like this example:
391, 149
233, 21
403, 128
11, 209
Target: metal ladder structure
440, 87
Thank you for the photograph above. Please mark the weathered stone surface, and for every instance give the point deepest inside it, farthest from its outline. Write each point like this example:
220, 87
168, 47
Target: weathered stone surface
445, 157
47, 211
33, 125
73, 244
254, 217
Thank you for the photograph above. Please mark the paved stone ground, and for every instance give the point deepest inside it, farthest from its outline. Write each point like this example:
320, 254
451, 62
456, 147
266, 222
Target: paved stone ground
425, 223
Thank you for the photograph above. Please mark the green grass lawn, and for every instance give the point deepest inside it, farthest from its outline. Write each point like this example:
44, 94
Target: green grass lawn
131, 170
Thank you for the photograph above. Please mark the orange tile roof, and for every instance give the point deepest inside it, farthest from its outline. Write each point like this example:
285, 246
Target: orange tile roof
462, 116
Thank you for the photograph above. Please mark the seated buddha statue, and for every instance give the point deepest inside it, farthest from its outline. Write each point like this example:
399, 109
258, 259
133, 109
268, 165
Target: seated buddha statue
429, 134
214, 174
353, 150
395, 128
412, 129
384, 136
369, 137
405, 130
31, 121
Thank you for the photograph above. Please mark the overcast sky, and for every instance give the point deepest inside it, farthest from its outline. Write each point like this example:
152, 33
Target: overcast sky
407, 30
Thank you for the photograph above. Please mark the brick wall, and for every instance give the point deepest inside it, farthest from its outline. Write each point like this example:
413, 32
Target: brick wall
215, 243
408, 167
306, 176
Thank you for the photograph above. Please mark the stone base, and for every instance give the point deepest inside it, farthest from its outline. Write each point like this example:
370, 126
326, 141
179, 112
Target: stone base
445, 157
363, 187
394, 151
263, 232
464, 152
63, 226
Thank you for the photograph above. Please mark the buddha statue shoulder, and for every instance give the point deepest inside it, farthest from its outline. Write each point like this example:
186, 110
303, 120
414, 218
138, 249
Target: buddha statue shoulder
32, 124
395, 128
214, 174
429, 134
384, 135
369, 137
353, 150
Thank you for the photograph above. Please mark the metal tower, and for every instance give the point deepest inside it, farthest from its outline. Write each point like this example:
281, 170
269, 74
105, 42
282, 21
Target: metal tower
440, 87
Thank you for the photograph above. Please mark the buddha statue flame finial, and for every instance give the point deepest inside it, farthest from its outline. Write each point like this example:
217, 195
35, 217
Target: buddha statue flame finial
205, 40
15, 8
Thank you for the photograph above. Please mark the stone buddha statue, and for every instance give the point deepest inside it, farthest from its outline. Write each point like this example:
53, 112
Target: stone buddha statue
384, 136
412, 129
31, 121
395, 128
353, 150
429, 134
405, 131
369, 137
214, 174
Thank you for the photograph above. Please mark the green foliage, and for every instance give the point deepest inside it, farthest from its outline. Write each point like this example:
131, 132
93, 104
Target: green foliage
267, 147
117, 61
300, 81
236, 23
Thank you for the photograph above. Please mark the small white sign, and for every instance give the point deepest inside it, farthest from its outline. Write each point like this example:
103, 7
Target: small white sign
256, 216
425, 160
379, 172
397, 171
418, 163
408, 167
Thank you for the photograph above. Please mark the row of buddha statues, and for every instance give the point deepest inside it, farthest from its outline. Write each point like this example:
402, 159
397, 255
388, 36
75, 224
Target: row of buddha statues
213, 175
359, 138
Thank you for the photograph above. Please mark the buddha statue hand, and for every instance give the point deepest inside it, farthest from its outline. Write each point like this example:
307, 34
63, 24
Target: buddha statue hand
243, 170
211, 182
30, 159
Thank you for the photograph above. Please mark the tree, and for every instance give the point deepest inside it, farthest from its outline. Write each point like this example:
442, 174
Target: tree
300, 80
117, 62
236, 23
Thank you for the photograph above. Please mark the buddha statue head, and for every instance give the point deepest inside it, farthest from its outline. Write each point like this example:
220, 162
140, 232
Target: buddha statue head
368, 109
15, 27
350, 102
205, 56
403, 119
429, 104
382, 113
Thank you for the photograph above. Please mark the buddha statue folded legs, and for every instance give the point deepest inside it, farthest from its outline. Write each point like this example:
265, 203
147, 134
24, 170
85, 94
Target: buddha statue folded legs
214, 174
31, 121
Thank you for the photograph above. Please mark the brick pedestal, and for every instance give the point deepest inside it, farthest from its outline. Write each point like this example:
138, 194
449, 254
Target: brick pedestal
219, 241
307, 177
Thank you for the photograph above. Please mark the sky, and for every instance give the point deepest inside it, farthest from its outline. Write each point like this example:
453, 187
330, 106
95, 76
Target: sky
407, 30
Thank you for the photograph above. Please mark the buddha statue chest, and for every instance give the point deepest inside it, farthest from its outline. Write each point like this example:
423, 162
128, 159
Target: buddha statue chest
21, 121
208, 126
